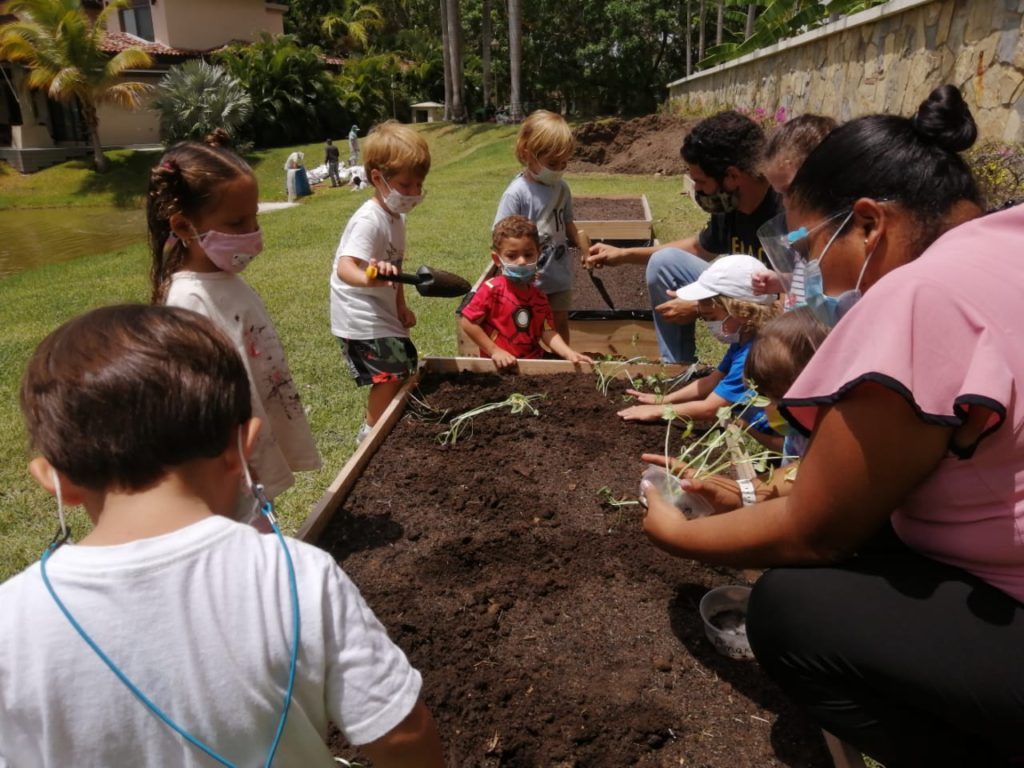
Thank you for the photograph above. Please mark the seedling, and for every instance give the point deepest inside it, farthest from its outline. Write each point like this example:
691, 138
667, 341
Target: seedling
607, 497
516, 403
604, 377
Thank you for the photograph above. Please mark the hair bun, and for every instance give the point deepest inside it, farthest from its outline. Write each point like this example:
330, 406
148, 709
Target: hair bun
945, 120
217, 138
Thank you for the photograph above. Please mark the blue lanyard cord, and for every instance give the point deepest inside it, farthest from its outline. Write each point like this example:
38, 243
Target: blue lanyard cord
266, 509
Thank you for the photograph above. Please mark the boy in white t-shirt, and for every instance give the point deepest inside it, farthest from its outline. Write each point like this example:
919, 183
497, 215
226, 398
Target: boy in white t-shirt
214, 638
369, 315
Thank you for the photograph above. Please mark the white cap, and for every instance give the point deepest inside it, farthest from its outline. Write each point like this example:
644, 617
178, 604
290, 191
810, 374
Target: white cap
729, 276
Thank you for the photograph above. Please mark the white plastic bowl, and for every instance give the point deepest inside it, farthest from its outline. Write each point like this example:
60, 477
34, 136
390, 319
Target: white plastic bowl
690, 504
724, 611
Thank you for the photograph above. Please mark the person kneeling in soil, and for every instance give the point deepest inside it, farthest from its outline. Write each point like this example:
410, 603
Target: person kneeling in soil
209, 633
734, 314
509, 317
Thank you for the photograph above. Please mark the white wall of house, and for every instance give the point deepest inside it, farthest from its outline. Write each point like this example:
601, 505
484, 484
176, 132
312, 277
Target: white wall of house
121, 127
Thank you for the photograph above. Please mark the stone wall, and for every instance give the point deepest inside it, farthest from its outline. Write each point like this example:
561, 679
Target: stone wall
886, 59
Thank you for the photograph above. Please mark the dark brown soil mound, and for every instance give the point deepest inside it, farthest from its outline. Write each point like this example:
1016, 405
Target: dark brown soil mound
549, 632
607, 209
643, 145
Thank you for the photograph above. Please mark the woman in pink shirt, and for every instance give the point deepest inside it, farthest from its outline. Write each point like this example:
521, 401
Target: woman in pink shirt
902, 629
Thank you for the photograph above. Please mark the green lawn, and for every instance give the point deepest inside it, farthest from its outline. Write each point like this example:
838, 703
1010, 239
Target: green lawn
471, 167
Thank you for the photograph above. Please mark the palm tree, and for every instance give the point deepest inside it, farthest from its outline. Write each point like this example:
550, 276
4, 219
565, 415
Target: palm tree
353, 25
62, 50
454, 20
196, 97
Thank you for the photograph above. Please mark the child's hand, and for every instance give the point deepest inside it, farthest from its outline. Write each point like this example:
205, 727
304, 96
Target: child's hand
383, 268
406, 316
643, 413
762, 283
646, 398
503, 359
576, 357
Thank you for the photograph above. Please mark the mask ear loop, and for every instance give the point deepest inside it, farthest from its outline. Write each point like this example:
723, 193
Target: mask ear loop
62, 535
264, 504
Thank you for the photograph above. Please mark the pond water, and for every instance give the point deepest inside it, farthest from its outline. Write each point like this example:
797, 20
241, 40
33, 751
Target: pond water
38, 236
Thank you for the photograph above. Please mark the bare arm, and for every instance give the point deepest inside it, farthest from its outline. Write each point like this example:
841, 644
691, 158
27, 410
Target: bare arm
556, 344
353, 271
603, 254
478, 336
699, 410
413, 743
884, 451
695, 390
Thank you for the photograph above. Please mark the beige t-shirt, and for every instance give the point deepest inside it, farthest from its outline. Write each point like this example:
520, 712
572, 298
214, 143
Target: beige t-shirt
285, 443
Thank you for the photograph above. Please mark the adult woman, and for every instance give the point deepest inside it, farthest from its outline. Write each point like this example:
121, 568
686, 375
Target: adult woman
910, 650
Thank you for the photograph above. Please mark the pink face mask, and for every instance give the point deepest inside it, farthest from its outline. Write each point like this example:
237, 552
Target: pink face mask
230, 253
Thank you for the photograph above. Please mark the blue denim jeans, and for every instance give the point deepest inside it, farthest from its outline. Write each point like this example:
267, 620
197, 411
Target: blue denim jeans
669, 269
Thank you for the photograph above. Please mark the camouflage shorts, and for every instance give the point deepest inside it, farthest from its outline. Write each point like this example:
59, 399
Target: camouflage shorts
375, 361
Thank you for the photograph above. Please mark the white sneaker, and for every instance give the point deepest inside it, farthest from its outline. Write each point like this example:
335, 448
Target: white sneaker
363, 432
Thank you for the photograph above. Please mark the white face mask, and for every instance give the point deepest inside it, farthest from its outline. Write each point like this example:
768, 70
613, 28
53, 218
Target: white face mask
548, 177
399, 203
716, 330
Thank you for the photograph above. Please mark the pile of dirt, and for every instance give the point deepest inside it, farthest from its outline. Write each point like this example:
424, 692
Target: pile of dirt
643, 145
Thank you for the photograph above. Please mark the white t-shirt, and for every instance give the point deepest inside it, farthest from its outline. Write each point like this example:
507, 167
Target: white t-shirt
285, 443
200, 620
550, 208
368, 313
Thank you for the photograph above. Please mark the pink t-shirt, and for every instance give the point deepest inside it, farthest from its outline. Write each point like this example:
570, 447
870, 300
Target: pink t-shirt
947, 332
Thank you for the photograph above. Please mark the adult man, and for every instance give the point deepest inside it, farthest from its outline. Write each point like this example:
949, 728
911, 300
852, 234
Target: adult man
331, 157
721, 154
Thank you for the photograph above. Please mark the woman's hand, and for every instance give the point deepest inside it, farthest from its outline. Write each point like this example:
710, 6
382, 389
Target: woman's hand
663, 523
643, 413
721, 492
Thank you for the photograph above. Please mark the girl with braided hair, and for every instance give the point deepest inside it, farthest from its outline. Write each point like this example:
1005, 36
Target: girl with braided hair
201, 210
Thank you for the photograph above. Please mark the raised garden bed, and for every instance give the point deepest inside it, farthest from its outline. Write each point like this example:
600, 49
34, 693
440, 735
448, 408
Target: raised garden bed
548, 630
616, 217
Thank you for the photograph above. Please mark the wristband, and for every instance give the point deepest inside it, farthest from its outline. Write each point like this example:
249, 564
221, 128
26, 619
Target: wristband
747, 492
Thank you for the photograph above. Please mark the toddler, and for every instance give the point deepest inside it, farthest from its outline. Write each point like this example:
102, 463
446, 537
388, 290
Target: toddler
734, 315
508, 317
369, 316
544, 146
171, 635
201, 208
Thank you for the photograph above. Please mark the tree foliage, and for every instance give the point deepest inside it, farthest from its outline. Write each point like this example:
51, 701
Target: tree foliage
293, 96
62, 49
195, 97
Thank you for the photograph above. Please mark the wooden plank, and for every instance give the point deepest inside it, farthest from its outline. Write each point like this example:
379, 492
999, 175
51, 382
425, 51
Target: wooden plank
341, 486
336, 492
620, 229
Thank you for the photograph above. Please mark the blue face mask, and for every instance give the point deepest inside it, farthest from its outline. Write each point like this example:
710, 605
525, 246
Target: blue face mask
828, 309
520, 273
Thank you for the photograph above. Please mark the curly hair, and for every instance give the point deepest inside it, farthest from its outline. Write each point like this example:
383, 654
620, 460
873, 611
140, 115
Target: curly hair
514, 227
723, 140
751, 314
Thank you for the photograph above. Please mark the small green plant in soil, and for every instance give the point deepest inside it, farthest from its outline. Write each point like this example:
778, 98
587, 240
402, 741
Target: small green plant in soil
516, 404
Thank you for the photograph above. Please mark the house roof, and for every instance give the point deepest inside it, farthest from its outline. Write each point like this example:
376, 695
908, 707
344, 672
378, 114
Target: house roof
115, 42
427, 105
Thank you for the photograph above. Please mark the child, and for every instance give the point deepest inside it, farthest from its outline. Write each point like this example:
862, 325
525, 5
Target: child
544, 146
784, 153
509, 317
734, 314
369, 317
782, 348
203, 232
142, 415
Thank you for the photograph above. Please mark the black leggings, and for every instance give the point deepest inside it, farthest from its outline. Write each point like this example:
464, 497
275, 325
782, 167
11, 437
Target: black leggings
913, 662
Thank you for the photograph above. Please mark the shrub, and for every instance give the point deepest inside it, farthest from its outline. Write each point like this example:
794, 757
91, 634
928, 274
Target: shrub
195, 97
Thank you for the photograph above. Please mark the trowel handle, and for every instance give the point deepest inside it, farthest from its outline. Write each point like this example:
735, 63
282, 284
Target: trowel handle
401, 277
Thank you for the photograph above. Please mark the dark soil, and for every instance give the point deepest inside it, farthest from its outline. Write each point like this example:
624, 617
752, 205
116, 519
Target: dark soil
626, 285
548, 630
644, 145
607, 209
